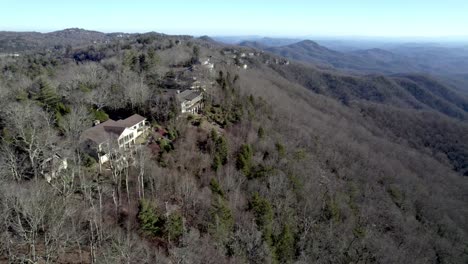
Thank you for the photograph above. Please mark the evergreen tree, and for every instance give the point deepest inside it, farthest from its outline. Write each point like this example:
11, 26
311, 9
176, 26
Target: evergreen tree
261, 133
263, 216
47, 95
174, 227
216, 163
284, 245
222, 149
149, 220
222, 219
244, 159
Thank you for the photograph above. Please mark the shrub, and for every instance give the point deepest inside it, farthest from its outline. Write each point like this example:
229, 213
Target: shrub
87, 160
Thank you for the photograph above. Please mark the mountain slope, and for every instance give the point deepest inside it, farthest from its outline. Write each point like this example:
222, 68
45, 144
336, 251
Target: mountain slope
285, 163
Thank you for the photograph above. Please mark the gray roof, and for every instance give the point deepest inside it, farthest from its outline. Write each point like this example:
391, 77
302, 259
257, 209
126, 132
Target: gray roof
110, 128
101, 132
131, 121
188, 95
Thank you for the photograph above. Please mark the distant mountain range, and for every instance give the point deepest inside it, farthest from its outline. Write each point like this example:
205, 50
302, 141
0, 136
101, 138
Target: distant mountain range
20, 41
400, 59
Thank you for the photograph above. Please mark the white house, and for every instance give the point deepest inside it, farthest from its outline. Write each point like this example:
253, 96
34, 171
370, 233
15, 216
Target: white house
100, 140
191, 101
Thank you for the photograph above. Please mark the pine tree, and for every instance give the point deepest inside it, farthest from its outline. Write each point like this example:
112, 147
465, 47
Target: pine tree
285, 245
263, 216
244, 159
222, 149
150, 222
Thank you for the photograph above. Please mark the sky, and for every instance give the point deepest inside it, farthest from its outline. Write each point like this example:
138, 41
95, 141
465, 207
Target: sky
287, 18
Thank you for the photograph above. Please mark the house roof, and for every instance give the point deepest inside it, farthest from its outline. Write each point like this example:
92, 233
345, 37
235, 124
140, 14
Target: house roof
188, 95
131, 121
99, 133
110, 128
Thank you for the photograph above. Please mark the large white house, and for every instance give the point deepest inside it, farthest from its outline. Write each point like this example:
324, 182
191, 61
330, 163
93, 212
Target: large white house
99, 141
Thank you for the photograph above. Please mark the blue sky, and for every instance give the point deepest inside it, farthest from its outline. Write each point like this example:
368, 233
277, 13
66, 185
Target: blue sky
390, 18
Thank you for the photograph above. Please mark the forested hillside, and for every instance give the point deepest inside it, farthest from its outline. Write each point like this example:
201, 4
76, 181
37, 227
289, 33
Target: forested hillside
286, 162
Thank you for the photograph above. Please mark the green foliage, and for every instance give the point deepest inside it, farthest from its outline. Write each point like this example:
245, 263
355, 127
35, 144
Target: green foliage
396, 195
222, 218
197, 122
244, 159
22, 96
332, 210
353, 192
261, 133
280, 149
87, 160
150, 222
196, 52
263, 213
251, 100
296, 183
213, 135
165, 144
359, 232
220, 156
153, 57
285, 245
216, 188
172, 133
86, 87
300, 154
174, 227
221, 149
216, 163
140, 62
146, 40
47, 95
261, 171
100, 115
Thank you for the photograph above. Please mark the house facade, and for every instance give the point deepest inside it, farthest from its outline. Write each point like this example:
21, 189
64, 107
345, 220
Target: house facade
191, 101
102, 139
